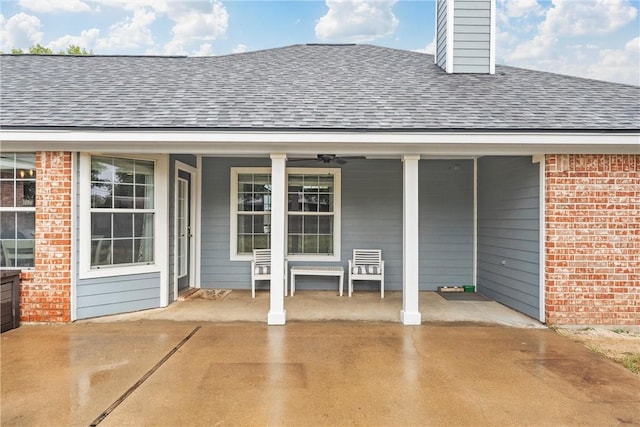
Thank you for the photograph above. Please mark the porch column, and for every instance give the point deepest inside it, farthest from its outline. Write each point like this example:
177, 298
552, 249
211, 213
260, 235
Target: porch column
410, 314
277, 313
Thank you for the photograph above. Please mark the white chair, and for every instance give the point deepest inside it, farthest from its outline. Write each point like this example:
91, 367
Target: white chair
261, 269
367, 264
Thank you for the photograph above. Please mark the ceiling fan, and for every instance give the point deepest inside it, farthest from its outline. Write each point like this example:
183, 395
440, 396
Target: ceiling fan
329, 158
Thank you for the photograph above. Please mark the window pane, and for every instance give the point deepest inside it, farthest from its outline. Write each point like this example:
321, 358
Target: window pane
245, 244
260, 241
294, 243
310, 244
143, 225
101, 252
245, 224
123, 169
325, 203
7, 166
25, 194
325, 225
122, 225
7, 193
101, 195
101, 225
295, 202
17, 180
310, 224
102, 169
26, 225
8, 229
144, 172
123, 251
144, 250
295, 224
144, 197
325, 244
123, 196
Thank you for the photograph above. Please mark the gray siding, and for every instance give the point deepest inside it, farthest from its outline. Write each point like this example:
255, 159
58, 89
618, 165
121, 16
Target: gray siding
446, 223
371, 218
471, 35
111, 295
508, 232
472, 21
441, 36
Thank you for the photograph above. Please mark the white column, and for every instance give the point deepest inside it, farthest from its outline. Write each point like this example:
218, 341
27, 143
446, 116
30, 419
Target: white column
277, 313
410, 314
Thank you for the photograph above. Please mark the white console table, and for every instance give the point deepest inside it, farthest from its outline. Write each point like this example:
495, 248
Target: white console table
315, 271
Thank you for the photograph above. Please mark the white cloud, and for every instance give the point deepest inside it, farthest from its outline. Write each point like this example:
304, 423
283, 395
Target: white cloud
205, 49
195, 24
518, 8
87, 40
239, 48
48, 6
130, 33
633, 45
20, 31
541, 46
430, 48
575, 18
357, 20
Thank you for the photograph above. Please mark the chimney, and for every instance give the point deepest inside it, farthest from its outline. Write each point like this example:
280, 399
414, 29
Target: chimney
465, 36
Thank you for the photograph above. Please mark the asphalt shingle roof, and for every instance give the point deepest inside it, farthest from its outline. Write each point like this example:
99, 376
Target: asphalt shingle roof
321, 87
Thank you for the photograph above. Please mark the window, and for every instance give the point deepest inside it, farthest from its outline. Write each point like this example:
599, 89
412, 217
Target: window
313, 202
253, 211
122, 211
17, 209
310, 213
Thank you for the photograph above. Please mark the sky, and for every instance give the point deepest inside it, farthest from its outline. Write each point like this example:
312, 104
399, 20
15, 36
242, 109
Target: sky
597, 39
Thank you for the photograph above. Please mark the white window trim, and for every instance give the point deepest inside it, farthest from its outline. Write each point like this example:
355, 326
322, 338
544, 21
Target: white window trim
233, 210
160, 225
337, 212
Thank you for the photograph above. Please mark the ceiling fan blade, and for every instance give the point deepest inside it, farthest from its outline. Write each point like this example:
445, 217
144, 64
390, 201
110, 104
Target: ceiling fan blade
340, 160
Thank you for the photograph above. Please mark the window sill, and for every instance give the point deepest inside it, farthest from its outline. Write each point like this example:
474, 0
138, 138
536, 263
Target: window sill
119, 271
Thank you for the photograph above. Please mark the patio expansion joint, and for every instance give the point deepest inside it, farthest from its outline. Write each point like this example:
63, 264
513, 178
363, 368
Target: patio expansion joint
146, 376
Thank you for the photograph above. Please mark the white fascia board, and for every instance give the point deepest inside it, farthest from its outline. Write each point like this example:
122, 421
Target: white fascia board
252, 143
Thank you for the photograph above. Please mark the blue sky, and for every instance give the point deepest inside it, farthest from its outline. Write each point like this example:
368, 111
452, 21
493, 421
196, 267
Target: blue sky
591, 38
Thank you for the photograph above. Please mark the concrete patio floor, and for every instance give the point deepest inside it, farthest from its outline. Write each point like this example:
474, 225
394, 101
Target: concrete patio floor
332, 373
327, 305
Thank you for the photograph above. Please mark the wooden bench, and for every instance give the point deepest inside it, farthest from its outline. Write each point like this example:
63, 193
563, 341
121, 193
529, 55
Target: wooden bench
315, 271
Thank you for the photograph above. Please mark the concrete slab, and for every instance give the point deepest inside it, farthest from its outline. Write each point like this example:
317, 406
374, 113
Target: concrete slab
307, 373
327, 305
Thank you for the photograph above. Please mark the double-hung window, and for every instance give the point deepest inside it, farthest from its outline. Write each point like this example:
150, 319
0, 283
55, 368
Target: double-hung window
17, 209
313, 212
122, 211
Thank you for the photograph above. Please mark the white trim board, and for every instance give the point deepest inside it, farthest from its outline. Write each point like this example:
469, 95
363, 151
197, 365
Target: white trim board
294, 142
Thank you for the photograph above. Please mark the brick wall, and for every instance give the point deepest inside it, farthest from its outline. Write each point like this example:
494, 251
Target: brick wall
46, 291
593, 240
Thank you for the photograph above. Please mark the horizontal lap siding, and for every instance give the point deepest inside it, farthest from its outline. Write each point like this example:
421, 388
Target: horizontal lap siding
371, 218
117, 294
446, 223
508, 232
372, 215
217, 270
472, 25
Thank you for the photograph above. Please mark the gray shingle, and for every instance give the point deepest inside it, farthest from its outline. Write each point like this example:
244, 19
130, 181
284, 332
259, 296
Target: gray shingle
329, 87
